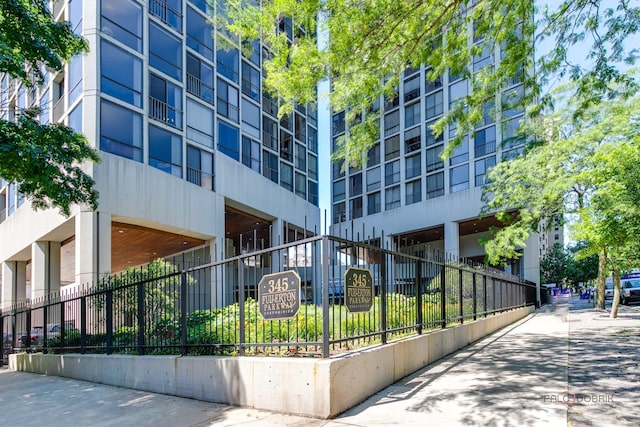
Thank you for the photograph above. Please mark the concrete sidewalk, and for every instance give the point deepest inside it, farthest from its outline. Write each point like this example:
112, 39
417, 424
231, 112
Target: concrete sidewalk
563, 365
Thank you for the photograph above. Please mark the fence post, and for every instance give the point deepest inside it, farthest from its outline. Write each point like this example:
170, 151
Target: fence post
460, 297
141, 323
45, 309
63, 327
419, 296
83, 323
475, 297
443, 293
383, 297
183, 313
28, 328
241, 298
108, 308
324, 265
484, 294
2, 335
493, 290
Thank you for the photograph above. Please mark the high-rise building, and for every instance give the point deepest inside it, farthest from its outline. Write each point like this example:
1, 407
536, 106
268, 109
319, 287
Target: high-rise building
407, 191
194, 159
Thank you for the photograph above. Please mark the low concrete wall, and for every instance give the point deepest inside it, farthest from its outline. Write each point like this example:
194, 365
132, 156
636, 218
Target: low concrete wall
321, 388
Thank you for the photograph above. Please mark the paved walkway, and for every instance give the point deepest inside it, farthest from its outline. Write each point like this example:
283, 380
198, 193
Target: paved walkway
565, 365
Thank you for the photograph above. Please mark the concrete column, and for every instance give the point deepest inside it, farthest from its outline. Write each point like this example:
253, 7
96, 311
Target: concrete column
531, 260
45, 268
14, 283
452, 238
93, 246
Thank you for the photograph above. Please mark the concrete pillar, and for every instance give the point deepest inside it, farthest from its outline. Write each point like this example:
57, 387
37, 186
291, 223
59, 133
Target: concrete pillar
452, 238
531, 260
14, 283
93, 246
45, 268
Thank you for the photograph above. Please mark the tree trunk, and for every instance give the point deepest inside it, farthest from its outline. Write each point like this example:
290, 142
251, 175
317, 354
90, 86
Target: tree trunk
602, 277
616, 294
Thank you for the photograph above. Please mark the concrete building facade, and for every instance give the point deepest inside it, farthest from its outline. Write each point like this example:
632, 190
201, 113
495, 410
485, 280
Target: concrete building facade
194, 159
406, 189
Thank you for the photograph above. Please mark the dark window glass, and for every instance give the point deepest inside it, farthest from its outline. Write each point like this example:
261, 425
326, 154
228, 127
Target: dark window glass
199, 34
121, 74
165, 52
199, 78
228, 140
250, 81
435, 185
120, 131
270, 165
122, 20
168, 11
392, 198
459, 178
228, 63
165, 151
413, 192
227, 101
355, 207
269, 133
165, 101
286, 176
374, 203
251, 154
200, 167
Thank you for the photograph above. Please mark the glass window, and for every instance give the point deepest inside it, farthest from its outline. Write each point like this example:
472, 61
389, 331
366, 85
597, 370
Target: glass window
392, 198
413, 166
301, 157
485, 141
204, 5
313, 166
301, 127
484, 59
313, 193
355, 185
512, 101
338, 123
373, 179
165, 52
250, 81
434, 105
122, 20
286, 145
270, 165
482, 168
269, 104
434, 158
355, 207
120, 131
199, 34
75, 15
75, 78
312, 139
269, 133
412, 139
412, 88
412, 115
337, 169
391, 123
413, 192
301, 185
459, 178
250, 118
432, 82
392, 172
457, 91
165, 151
430, 138
374, 204
286, 176
339, 212
339, 191
228, 101
373, 155
199, 123
121, 74
75, 118
392, 147
228, 62
200, 167
435, 185
165, 100
511, 135
228, 140
251, 154
44, 108
461, 152
169, 12
251, 51
199, 78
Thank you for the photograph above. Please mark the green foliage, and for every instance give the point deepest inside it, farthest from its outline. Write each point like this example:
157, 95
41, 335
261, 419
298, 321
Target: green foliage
554, 265
45, 160
369, 45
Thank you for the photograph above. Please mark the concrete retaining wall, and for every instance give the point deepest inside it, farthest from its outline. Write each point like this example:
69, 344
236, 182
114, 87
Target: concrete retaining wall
321, 388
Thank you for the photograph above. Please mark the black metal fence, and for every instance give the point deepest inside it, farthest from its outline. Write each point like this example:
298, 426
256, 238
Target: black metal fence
213, 309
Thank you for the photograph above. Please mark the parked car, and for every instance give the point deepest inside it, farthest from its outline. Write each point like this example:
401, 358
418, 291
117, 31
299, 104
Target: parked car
608, 291
630, 291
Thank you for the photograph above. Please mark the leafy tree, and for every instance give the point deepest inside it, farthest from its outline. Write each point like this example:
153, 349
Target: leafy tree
371, 43
45, 160
585, 165
581, 268
554, 265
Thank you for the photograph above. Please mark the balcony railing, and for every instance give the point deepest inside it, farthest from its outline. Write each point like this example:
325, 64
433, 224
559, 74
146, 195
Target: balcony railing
167, 14
165, 113
196, 87
198, 177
